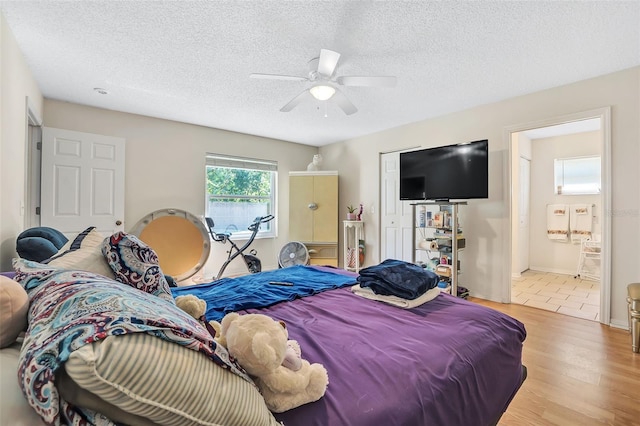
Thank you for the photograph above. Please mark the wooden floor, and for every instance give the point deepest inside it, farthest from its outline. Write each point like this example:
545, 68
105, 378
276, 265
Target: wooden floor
579, 372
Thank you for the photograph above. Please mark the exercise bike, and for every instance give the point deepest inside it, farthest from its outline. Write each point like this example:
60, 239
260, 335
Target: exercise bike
251, 260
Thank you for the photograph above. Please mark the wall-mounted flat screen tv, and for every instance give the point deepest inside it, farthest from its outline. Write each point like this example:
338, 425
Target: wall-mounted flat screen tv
453, 172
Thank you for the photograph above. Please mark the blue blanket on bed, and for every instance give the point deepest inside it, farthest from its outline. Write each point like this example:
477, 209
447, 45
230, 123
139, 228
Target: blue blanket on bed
254, 291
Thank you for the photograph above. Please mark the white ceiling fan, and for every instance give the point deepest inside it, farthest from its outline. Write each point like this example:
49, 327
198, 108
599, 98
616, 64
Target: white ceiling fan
324, 84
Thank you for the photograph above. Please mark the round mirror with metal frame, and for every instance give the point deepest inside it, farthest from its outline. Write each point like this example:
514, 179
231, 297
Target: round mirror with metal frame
179, 238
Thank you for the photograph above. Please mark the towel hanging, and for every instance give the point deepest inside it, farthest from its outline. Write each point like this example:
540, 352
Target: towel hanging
580, 221
557, 222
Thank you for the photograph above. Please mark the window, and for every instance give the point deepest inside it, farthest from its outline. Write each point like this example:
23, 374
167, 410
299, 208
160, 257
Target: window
577, 176
238, 191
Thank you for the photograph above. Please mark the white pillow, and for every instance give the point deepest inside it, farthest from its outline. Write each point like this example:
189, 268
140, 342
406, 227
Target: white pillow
84, 254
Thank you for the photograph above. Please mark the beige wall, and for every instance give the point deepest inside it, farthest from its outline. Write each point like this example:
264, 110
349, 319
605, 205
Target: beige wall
487, 222
547, 255
16, 84
165, 167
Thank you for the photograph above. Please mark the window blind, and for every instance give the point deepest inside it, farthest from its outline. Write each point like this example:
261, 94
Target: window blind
241, 163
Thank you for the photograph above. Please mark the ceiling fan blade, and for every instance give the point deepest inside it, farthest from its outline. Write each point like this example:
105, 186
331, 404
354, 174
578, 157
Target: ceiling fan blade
278, 77
343, 102
295, 101
327, 62
367, 81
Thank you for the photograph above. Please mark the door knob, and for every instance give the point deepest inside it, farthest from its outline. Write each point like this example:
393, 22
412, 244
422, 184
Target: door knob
313, 206
118, 222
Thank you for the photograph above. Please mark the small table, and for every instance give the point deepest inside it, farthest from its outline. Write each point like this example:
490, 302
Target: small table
353, 233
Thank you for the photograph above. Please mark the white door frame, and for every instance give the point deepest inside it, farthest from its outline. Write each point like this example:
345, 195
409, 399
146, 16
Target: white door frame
604, 114
32, 166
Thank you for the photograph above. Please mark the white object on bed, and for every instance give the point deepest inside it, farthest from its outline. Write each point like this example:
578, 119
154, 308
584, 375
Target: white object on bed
14, 408
366, 292
557, 222
580, 222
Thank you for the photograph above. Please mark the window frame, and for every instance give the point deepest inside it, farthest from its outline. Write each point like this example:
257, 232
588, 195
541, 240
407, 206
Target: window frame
237, 162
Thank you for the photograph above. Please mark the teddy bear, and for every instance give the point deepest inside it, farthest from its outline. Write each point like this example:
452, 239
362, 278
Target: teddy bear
260, 345
197, 307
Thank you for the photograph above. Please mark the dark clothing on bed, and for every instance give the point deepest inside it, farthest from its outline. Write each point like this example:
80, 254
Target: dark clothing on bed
397, 278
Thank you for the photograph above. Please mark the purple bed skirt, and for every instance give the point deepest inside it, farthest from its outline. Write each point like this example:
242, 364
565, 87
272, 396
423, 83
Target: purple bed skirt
447, 362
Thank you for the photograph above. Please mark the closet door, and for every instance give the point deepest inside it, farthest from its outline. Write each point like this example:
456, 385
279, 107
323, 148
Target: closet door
396, 216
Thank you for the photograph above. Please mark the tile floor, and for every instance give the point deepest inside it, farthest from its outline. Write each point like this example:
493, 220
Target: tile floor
577, 297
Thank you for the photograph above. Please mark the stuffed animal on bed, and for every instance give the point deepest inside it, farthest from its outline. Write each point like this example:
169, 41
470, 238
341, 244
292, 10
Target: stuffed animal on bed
197, 307
260, 345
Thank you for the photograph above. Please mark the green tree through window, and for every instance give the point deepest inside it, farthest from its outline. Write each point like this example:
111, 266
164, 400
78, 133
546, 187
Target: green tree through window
224, 181
238, 191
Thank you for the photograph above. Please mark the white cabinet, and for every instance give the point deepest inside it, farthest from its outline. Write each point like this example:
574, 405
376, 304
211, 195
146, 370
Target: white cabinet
438, 241
353, 234
313, 214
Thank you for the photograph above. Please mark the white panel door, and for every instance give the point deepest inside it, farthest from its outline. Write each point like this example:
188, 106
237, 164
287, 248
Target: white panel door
396, 215
82, 181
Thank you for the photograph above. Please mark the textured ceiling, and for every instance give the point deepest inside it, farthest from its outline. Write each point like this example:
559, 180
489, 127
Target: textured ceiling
190, 61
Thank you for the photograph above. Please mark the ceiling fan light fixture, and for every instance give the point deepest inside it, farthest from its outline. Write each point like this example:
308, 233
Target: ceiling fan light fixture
322, 92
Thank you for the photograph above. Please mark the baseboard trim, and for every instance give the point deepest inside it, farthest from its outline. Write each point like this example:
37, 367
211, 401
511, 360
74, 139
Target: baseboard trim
619, 324
551, 270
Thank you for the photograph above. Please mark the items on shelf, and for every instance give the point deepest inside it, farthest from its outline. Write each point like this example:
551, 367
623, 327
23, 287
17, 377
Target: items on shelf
438, 240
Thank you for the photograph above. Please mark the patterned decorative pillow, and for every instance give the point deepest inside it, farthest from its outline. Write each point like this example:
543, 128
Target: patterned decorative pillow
136, 264
29, 273
83, 253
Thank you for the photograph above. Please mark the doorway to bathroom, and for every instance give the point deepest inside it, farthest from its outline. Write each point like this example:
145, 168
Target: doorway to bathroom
548, 268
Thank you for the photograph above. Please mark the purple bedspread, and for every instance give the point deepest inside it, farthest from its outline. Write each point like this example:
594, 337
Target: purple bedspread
447, 362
